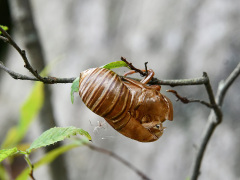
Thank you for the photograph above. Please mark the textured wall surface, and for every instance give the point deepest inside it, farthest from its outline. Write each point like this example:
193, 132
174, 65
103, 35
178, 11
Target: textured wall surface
179, 39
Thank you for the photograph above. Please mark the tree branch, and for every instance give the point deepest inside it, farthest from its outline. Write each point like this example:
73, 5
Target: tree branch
224, 85
22, 15
185, 100
55, 80
16, 75
179, 82
50, 80
155, 81
212, 122
118, 158
38, 77
3, 38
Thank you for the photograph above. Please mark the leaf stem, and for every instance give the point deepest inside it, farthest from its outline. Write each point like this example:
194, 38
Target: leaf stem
26, 157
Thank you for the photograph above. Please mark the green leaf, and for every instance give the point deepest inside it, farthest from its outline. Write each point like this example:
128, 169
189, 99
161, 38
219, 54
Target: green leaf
31, 108
10, 138
5, 28
74, 88
3, 173
116, 64
56, 134
48, 158
28, 112
4, 153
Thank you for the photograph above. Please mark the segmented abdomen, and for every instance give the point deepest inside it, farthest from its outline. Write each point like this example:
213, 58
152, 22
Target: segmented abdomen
103, 92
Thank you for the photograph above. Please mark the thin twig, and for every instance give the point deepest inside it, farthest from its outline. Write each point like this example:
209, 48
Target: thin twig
16, 75
208, 131
22, 54
133, 67
224, 85
51, 80
212, 123
46, 80
210, 92
146, 68
179, 82
117, 157
155, 81
185, 100
55, 80
3, 38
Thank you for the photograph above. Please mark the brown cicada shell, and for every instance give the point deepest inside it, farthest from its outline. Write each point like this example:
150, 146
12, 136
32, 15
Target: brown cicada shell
133, 108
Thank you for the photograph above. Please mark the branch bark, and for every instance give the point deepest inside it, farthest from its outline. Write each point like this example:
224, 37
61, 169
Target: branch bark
118, 158
21, 12
212, 121
55, 80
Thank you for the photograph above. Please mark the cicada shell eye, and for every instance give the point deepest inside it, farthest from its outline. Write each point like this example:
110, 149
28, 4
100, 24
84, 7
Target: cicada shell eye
154, 127
157, 130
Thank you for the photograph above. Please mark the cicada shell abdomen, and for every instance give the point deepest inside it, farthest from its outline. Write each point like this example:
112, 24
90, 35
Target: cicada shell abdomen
103, 92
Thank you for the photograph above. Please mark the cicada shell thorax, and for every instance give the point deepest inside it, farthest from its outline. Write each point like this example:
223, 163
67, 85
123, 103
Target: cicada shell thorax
103, 92
150, 107
148, 102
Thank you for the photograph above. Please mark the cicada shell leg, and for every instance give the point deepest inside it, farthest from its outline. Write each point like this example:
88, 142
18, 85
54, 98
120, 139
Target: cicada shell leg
140, 85
146, 79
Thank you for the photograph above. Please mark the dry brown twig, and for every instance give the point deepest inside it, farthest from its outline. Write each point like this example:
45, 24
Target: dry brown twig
215, 102
118, 158
130, 65
186, 100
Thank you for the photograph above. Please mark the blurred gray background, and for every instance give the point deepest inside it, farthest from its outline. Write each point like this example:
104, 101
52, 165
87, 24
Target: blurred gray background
178, 39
